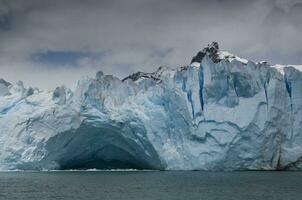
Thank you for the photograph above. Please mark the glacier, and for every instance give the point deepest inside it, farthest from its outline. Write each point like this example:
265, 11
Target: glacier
219, 113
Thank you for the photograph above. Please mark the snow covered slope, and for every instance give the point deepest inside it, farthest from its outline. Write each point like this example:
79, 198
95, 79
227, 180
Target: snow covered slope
221, 112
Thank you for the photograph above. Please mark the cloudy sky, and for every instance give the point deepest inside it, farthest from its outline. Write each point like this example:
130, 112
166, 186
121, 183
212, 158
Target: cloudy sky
49, 43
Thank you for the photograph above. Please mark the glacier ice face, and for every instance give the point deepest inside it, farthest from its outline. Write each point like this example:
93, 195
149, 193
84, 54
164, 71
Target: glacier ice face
221, 112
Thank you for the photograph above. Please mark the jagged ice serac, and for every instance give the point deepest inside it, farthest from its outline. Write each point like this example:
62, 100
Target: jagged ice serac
221, 112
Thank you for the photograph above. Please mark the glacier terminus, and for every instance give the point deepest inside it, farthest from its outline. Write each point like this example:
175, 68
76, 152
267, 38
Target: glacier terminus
219, 113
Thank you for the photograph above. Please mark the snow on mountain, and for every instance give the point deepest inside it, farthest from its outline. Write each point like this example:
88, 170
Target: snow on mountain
213, 51
221, 112
281, 68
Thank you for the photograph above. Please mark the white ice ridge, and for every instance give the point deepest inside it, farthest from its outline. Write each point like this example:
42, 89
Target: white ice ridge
220, 112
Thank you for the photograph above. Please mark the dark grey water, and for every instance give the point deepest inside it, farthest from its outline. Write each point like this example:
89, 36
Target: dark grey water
151, 185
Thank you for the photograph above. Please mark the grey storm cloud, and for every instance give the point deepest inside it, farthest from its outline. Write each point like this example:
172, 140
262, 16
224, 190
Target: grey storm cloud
46, 43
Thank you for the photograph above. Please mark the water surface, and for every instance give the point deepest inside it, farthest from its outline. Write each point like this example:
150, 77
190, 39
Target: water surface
140, 185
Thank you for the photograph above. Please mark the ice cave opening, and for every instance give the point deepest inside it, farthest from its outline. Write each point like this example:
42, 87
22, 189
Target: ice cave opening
91, 147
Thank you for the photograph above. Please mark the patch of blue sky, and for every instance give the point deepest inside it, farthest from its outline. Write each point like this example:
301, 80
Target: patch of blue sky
5, 22
62, 58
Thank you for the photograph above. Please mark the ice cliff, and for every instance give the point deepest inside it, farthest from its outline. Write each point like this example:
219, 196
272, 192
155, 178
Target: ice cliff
221, 112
